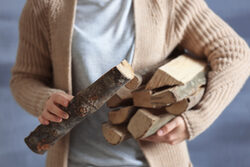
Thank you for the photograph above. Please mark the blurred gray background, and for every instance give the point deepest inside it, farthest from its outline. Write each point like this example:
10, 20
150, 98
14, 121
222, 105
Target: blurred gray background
225, 143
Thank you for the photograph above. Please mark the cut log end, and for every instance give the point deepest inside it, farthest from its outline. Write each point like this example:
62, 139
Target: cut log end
141, 98
114, 134
125, 68
135, 82
150, 99
144, 123
121, 115
177, 72
187, 103
39, 148
178, 107
140, 123
116, 101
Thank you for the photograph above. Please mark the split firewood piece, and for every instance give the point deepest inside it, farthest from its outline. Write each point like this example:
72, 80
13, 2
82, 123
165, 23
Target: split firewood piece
186, 104
86, 101
134, 83
147, 72
178, 93
144, 123
142, 98
121, 115
115, 134
161, 98
178, 71
117, 101
150, 99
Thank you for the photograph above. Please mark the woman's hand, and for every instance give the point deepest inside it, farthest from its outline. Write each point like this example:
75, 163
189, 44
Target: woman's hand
172, 133
51, 110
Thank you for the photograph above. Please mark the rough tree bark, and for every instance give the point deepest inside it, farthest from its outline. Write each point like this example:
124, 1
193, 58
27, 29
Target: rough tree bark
85, 102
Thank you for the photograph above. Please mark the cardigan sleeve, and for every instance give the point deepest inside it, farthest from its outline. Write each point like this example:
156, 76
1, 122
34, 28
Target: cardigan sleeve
31, 78
205, 34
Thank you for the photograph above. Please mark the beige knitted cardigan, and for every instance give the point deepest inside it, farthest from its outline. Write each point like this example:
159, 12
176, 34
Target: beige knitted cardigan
43, 64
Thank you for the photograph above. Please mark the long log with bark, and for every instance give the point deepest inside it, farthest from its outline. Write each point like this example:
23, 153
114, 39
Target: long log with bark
85, 102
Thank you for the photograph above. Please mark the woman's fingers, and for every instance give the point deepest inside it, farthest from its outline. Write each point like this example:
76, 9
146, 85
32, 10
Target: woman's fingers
170, 138
52, 112
59, 99
173, 136
51, 117
43, 120
172, 133
168, 127
54, 109
62, 99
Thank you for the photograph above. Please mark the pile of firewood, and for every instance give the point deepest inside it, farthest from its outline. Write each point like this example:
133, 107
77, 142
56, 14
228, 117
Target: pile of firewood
174, 88
140, 104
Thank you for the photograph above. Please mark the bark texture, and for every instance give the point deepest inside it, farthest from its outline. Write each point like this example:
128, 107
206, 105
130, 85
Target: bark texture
85, 102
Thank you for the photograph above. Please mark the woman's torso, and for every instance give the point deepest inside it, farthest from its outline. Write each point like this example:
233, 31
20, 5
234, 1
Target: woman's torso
103, 36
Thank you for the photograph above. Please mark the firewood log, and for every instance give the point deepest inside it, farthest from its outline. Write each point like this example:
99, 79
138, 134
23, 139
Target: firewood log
178, 71
115, 134
161, 98
134, 83
121, 115
185, 104
85, 102
117, 101
144, 123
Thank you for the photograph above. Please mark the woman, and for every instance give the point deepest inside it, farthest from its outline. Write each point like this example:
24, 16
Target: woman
65, 45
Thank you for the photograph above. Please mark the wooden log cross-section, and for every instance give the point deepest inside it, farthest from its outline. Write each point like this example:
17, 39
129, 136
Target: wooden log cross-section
144, 123
178, 93
135, 82
157, 99
185, 104
172, 82
115, 134
178, 71
121, 115
85, 102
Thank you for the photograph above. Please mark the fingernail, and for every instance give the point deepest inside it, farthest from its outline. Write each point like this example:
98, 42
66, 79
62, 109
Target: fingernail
65, 116
160, 132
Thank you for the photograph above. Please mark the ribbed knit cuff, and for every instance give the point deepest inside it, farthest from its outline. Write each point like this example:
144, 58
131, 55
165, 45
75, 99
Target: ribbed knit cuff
188, 125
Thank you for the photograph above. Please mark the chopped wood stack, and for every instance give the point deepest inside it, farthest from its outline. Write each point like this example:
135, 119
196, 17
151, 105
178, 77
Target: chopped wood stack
174, 88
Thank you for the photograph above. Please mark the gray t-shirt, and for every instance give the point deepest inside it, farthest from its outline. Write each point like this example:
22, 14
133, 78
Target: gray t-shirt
103, 36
